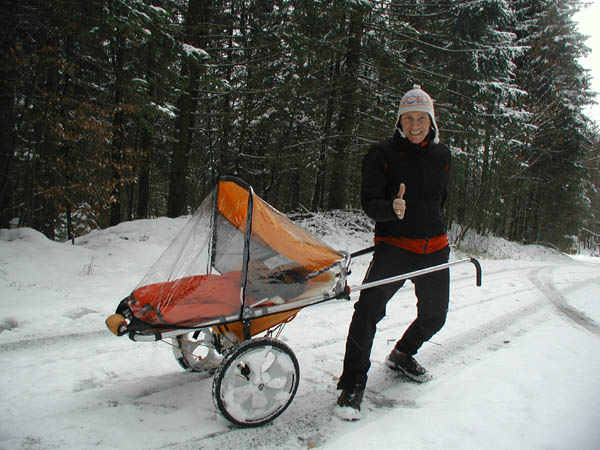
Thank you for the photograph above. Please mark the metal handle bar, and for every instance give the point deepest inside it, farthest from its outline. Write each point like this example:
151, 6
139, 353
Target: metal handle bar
364, 251
417, 273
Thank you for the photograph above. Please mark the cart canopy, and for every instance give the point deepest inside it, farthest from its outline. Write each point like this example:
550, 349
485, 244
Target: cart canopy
236, 258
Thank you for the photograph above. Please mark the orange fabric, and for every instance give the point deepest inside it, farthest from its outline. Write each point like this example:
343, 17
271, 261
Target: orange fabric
421, 246
188, 300
257, 325
232, 202
274, 229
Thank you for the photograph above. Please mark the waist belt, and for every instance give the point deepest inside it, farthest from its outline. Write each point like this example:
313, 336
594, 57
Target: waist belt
416, 245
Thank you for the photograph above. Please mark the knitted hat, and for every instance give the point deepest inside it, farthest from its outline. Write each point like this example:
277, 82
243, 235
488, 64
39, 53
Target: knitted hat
417, 100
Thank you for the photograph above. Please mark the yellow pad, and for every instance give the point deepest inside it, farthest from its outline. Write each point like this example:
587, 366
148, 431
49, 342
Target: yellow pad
114, 322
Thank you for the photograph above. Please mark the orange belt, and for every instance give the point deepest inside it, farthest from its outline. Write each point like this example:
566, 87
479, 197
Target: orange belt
422, 246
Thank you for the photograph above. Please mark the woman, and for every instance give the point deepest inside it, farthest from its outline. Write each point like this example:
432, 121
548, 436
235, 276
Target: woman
404, 187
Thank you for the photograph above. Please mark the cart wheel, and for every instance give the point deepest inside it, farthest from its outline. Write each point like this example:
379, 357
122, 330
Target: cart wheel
194, 351
256, 382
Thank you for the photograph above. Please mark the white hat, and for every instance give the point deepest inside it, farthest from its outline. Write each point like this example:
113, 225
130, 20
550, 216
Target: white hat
417, 100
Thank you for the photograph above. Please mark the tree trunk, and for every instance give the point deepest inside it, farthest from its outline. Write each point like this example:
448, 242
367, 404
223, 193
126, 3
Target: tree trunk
117, 142
179, 157
349, 102
143, 194
320, 195
7, 118
186, 105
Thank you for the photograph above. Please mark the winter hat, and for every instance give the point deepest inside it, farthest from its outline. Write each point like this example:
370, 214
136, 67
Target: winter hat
417, 100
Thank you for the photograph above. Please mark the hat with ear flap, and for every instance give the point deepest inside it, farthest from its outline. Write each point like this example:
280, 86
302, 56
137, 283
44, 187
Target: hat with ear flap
417, 100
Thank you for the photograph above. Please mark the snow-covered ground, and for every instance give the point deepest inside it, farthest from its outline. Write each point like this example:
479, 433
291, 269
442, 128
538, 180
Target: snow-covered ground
516, 366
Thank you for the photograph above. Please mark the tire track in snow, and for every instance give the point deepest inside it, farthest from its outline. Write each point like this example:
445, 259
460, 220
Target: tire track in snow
545, 285
52, 340
329, 308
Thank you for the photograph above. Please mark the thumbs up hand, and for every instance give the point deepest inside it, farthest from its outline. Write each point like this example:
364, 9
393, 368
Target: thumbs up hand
399, 204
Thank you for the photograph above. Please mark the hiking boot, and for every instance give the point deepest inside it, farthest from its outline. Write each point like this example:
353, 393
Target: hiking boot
406, 364
348, 403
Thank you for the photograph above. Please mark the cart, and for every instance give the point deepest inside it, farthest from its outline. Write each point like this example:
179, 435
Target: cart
224, 289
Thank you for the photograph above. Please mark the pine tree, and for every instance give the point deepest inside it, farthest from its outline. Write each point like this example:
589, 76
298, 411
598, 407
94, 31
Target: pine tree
554, 148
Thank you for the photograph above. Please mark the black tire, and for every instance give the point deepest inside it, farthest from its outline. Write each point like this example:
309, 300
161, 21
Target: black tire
256, 382
194, 351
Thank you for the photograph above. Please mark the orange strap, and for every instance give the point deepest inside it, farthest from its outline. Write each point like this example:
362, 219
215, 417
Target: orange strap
422, 246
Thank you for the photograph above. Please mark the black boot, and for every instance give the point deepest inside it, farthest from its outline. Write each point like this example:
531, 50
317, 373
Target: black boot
348, 403
407, 365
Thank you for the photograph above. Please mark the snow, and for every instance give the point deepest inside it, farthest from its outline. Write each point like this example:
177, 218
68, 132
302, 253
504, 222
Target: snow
516, 365
190, 50
168, 110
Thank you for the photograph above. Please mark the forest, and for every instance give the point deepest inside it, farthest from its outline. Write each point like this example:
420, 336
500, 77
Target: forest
116, 110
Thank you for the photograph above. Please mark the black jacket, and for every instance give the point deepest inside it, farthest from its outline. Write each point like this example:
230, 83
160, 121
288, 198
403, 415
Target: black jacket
424, 171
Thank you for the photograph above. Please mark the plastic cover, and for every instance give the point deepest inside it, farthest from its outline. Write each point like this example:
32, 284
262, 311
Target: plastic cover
235, 256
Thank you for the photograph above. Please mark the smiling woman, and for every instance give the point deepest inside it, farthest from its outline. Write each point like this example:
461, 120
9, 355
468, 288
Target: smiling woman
415, 126
587, 20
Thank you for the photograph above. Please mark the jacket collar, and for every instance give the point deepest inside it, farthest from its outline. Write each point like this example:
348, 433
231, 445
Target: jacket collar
404, 142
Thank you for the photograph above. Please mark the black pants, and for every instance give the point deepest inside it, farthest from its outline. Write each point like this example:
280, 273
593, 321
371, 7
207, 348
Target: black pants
432, 291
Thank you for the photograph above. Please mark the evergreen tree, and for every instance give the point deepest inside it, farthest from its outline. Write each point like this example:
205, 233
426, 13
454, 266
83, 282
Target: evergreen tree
550, 205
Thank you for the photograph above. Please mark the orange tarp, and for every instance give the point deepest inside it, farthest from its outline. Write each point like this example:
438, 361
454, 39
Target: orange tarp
190, 300
273, 229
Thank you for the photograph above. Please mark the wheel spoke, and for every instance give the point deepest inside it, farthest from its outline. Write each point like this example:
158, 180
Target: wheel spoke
269, 359
277, 383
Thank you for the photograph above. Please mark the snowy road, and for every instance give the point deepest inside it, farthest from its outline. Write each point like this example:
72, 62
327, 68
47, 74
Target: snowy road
516, 365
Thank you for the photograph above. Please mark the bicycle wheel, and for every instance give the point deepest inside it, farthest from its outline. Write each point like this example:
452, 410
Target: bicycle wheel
256, 382
194, 351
